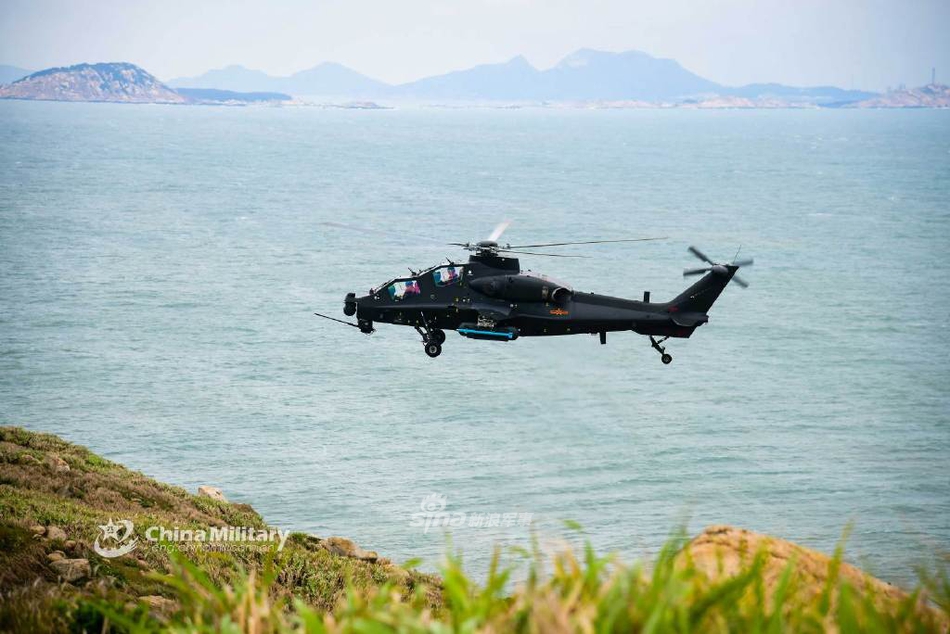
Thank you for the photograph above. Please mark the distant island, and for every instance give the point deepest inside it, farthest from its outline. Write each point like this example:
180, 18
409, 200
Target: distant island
929, 96
117, 82
215, 96
120, 82
584, 79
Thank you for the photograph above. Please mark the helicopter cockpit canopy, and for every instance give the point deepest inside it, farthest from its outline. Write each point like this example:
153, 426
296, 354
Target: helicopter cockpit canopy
440, 275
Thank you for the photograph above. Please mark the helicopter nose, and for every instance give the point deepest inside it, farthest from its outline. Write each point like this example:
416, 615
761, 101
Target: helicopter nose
349, 305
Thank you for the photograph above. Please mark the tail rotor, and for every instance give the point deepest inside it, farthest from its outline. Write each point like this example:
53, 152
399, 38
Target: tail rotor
717, 268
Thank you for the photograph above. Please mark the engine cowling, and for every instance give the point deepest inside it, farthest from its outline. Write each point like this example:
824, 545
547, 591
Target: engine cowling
522, 288
560, 294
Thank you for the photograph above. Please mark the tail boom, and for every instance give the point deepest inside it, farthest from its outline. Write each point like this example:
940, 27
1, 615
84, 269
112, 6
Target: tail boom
688, 310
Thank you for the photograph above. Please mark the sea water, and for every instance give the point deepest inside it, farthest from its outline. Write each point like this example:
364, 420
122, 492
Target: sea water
159, 267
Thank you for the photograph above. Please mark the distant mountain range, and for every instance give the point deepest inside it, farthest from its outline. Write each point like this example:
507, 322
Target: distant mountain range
326, 79
585, 75
586, 78
118, 82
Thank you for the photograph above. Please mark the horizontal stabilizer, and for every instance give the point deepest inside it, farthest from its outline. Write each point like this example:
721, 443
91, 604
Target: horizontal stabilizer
689, 320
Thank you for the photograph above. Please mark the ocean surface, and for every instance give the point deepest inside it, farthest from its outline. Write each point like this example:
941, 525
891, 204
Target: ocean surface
159, 267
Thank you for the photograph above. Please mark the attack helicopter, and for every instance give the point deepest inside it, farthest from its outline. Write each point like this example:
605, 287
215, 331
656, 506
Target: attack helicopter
490, 298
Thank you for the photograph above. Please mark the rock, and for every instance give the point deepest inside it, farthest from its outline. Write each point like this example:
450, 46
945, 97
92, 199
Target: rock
56, 555
57, 464
70, 544
26, 458
72, 570
311, 541
55, 532
38, 529
347, 548
401, 574
724, 551
159, 603
211, 492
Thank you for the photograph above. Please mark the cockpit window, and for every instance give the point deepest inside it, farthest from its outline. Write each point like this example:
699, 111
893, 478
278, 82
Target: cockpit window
398, 290
447, 275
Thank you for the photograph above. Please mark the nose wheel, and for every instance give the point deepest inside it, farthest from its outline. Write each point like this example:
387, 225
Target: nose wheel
432, 339
664, 357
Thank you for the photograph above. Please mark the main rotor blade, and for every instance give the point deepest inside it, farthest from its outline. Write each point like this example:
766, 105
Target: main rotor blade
699, 254
561, 244
547, 255
747, 262
741, 282
500, 229
689, 272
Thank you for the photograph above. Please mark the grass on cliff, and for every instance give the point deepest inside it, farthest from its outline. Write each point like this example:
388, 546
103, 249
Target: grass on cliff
33, 491
306, 588
585, 593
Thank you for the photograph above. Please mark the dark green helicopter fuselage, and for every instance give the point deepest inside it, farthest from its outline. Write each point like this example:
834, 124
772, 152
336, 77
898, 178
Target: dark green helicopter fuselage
489, 297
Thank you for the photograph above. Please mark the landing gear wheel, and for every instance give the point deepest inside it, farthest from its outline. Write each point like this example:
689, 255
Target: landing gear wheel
437, 335
664, 357
433, 349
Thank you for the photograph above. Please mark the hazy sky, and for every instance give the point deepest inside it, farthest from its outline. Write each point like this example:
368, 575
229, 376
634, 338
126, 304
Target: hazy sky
868, 44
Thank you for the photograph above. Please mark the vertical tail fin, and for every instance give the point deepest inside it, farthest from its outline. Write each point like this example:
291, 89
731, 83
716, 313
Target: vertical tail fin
700, 297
